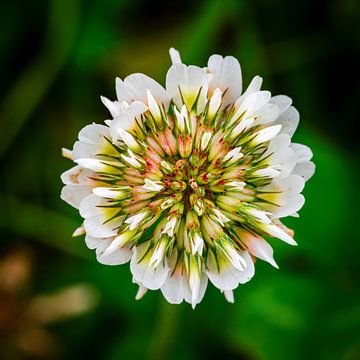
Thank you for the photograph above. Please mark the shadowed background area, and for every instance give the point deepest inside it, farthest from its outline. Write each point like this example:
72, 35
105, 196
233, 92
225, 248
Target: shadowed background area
56, 301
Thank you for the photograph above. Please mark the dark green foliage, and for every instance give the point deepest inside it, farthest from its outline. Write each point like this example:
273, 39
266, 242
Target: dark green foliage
59, 56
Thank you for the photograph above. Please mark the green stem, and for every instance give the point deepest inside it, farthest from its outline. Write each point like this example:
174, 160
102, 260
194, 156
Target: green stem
164, 330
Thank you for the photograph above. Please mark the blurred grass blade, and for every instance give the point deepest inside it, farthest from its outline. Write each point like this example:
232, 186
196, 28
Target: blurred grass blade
23, 98
32, 221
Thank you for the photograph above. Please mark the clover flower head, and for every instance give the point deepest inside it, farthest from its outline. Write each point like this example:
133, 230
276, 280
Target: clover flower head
187, 182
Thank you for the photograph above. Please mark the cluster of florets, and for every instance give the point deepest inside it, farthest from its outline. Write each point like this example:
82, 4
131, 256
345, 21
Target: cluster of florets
185, 183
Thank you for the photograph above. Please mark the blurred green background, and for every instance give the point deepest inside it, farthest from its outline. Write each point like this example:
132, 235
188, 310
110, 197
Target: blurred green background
56, 301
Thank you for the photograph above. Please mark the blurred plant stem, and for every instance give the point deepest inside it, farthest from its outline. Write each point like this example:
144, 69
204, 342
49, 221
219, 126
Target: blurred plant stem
164, 331
27, 92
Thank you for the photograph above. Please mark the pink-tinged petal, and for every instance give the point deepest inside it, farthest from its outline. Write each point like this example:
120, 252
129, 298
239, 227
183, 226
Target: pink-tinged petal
258, 247
77, 176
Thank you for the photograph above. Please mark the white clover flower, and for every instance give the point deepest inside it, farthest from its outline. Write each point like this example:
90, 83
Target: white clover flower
188, 181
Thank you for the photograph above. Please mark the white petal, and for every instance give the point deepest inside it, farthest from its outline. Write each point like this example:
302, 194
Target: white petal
254, 86
283, 161
74, 194
190, 80
225, 278
121, 256
229, 296
115, 107
249, 271
201, 293
176, 285
289, 120
118, 257
93, 243
135, 220
93, 134
203, 286
253, 102
127, 120
135, 109
92, 141
144, 273
98, 165
226, 76
266, 134
305, 169
285, 194
173, 288
292, 205
266, 114
175, 56
293, 184
153, 105
267, 172
282, 101
96, 217
141, 292
215, 102
134, 88
303, 152
95, 226
111, 193
278, 143
123, 92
